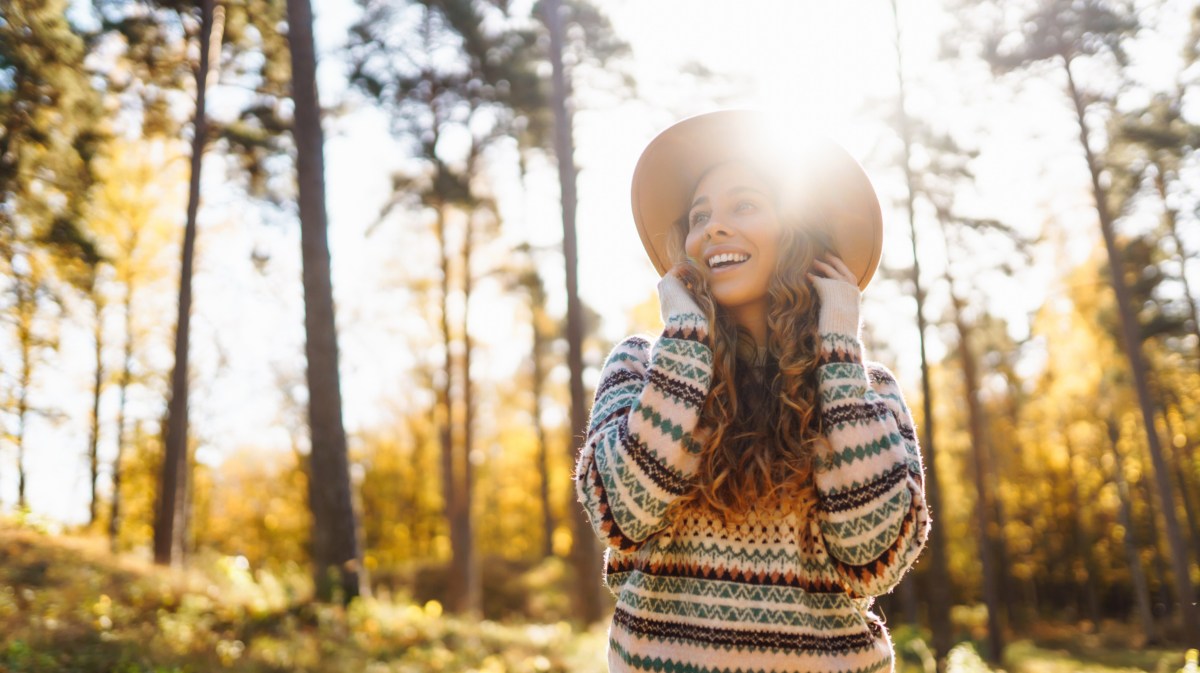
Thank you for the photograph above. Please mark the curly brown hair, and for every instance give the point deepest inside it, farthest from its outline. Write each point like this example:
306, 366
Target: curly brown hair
761, 425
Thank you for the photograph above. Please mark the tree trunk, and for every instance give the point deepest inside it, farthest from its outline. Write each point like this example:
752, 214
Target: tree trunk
25, 337
170, 526
537, 300
472, 591
1006, 582
97, 388
1160, 599
114, 520
543, 449
983, 495
1084, 545
337, 554
1141, 592
452, 493
1179, 474
1182, 468
584, 552
938, 588
1131, 342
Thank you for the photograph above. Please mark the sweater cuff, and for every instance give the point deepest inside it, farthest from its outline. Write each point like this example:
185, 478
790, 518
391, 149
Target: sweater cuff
674, 299
839, 313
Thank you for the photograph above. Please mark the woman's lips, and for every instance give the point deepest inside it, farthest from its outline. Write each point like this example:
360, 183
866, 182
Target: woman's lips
727, 268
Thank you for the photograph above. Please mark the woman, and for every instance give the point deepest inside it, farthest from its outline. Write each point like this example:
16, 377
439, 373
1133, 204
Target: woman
755, 480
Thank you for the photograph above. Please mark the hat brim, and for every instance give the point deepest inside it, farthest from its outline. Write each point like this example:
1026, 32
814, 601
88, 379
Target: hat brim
825, 176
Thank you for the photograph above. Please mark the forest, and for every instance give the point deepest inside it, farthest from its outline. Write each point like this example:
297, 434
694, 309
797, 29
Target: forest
303, 308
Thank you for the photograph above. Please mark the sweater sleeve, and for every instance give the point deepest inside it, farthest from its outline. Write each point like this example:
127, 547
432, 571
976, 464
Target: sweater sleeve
639, 454
871, 515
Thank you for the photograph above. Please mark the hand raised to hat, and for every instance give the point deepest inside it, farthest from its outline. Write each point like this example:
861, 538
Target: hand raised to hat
674, 295
837, 288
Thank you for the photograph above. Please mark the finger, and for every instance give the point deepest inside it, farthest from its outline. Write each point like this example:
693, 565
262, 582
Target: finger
838, 269
851, 277
840, 264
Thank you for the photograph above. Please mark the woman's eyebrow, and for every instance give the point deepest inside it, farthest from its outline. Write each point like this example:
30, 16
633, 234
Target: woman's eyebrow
733, 190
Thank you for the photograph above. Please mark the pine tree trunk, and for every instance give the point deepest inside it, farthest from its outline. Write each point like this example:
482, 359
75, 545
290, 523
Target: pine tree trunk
1004, 579
456, 584
584, 553
1131, 342
1083, 538
170, 526
97, 388
472, 589
983, 494
1182, 469
543, 450
25, 337
1141, 591
337, 554
1180, 473
938, 588
114, 519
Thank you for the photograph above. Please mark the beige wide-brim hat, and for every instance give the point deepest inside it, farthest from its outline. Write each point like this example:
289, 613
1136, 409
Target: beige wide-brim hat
820, 179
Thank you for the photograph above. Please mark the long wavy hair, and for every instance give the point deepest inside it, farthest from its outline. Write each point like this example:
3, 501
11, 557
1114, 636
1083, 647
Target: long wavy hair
762, 423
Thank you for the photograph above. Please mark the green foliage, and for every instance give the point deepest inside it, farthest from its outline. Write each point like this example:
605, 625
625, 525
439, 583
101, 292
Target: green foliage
51, 129
963, 658
66, 605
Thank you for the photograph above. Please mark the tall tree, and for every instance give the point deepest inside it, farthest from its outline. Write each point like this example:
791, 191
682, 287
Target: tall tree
132, 231
50, 131
171, 521
145, 61
584, 552
440, 76
1137, 571
1067, 33
1154, 142
939, 184
530, 281
939, 590
337, 557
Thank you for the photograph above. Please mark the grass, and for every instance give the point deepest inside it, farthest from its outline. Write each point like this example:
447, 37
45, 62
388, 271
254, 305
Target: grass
67, 604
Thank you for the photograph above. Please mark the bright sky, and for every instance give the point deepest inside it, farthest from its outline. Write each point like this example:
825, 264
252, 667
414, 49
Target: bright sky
818, 59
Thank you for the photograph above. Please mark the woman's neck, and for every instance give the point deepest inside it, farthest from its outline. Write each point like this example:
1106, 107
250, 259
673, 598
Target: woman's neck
753, 319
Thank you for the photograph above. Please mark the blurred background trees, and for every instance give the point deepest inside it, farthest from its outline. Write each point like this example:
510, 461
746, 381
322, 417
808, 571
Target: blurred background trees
180, 212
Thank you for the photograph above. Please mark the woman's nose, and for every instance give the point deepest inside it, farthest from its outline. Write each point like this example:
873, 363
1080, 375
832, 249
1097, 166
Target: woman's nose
713, 226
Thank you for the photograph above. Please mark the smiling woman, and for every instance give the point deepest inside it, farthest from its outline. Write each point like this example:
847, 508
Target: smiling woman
735, 233
757, 482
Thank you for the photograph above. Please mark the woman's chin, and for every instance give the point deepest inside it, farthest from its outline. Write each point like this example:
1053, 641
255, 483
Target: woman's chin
733, 297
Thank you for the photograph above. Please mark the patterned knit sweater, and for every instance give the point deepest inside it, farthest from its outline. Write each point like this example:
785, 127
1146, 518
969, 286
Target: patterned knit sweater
775, 593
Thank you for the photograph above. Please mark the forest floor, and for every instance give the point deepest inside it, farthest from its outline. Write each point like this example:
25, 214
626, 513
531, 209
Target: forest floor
67, 604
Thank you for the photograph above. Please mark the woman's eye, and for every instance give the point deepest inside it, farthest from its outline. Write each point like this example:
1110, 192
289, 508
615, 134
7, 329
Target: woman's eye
745, 203
697, 218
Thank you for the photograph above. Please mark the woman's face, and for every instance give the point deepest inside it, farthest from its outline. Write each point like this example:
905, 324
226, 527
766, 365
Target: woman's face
734, 233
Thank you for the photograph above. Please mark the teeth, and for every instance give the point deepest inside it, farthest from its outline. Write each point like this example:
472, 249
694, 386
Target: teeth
727, 257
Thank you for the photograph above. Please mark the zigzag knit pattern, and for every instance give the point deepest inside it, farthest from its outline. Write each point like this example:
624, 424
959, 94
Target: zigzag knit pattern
773, 594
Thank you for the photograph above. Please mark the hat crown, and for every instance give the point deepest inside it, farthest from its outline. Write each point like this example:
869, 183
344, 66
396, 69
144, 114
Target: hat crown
815, 173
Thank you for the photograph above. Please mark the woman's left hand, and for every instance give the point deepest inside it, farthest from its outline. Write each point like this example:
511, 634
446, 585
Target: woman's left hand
839, 295
834, 269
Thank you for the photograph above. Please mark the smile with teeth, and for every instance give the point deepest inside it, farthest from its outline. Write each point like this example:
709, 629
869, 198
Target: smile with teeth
726, 259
